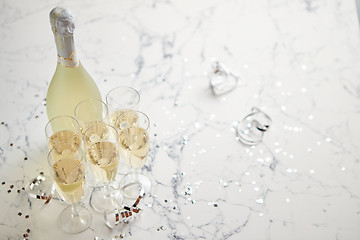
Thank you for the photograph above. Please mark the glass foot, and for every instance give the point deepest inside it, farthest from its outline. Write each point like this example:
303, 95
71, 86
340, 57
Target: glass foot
133, 185
75, 223
102, 203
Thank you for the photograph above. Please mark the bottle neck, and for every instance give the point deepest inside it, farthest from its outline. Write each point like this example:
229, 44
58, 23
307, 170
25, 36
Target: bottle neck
66, 51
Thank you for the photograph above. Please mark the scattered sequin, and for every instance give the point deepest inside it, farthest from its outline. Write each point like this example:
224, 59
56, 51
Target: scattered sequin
287, 200
312, 171
283, 108
259, 201
328, 139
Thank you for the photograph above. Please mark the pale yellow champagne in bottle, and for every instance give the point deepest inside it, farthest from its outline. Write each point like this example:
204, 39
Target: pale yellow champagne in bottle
71, 83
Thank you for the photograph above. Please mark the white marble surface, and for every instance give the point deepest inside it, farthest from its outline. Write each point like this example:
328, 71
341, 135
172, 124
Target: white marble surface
298, 60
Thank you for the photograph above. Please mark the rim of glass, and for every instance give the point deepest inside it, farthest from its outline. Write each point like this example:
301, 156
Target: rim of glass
258, 110
92, 99
81, 153
137, 112
61, 116
104, 124
122, 87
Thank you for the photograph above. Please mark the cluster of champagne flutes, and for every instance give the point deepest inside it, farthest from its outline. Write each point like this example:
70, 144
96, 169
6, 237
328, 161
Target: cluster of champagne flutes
103, 137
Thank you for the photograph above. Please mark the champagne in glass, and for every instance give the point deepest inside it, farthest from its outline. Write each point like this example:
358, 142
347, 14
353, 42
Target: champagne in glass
134, 143
64, 142
69, 179
103, 158
63, 134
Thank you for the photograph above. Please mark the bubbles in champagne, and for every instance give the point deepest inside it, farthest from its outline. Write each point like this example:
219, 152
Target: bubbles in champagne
95, 131
104, 158
69, 178
127, 118
135, 146
64, 142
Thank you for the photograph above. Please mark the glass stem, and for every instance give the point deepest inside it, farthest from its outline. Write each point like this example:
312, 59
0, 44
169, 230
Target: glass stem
106, 190
74, 211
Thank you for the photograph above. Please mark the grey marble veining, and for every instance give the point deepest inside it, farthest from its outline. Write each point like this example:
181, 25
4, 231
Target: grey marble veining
297, 60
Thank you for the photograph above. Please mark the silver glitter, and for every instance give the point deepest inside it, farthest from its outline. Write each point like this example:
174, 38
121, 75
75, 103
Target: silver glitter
259, 201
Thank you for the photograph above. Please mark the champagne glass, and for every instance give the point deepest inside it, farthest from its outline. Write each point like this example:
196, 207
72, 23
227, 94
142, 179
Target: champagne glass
134, 143
121, 99
68, 175
102, 151
89, 112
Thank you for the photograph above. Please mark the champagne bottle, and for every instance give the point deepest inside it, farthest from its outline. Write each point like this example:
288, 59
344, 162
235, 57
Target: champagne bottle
71, 83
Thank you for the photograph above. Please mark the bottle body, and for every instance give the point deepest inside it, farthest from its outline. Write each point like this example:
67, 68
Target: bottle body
68, 87
71, 83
